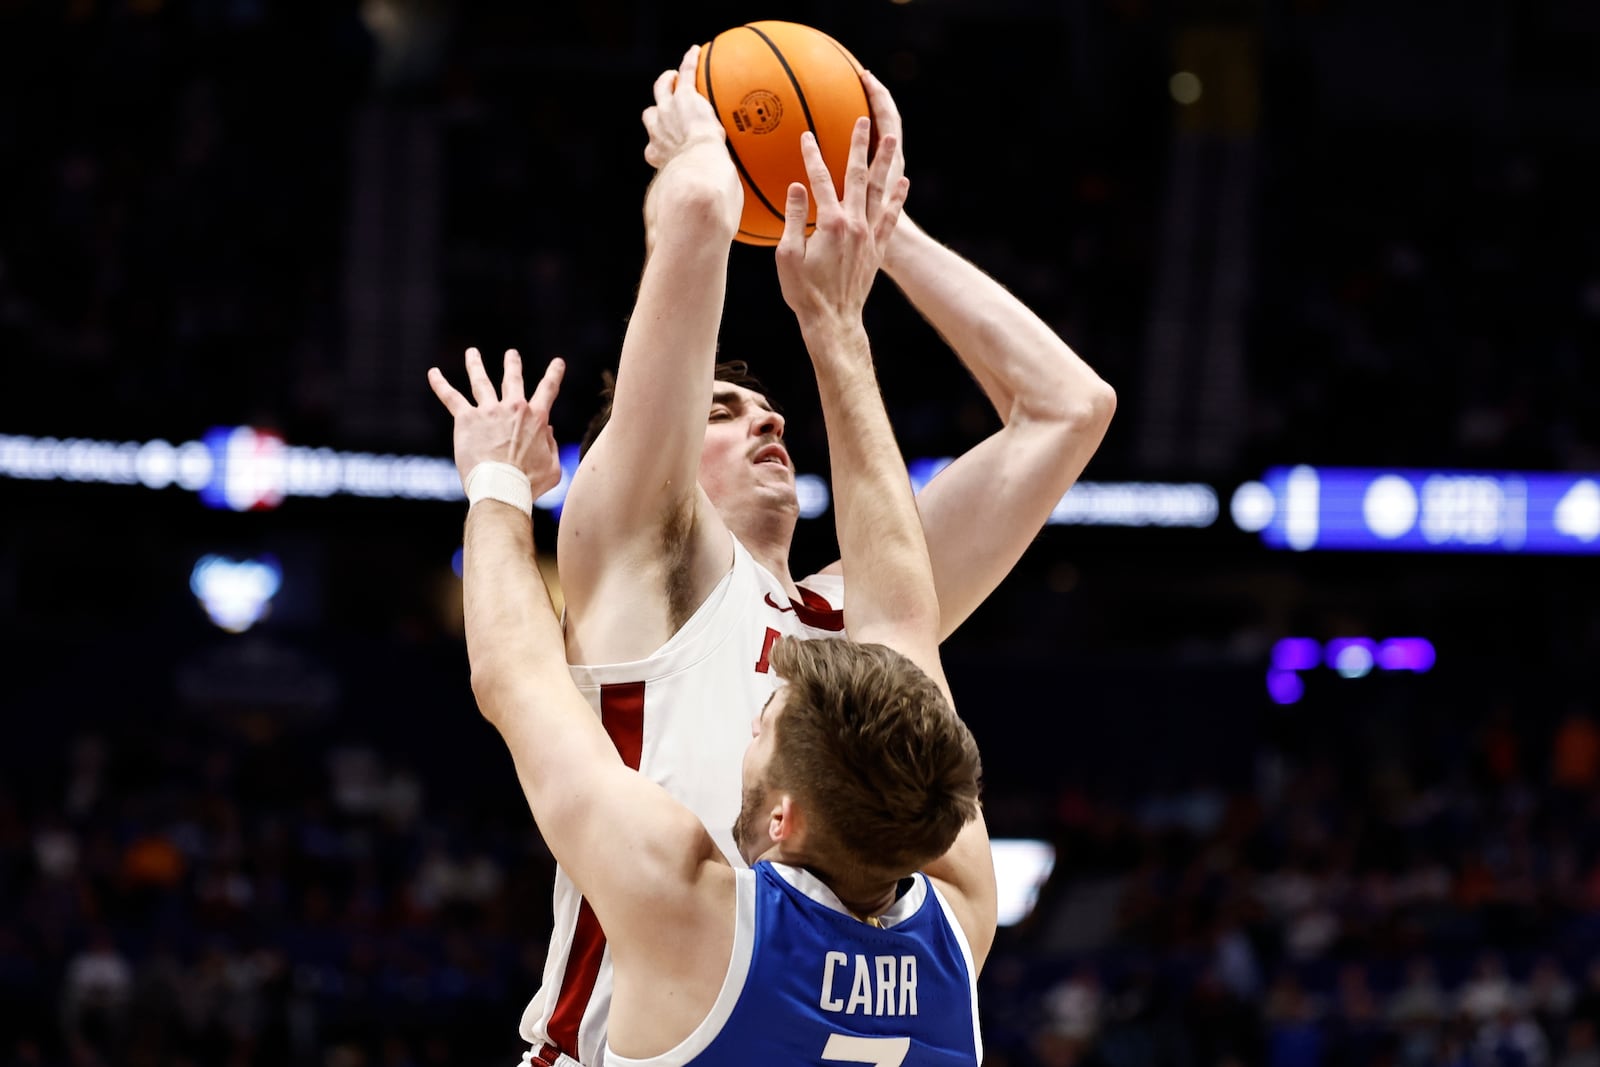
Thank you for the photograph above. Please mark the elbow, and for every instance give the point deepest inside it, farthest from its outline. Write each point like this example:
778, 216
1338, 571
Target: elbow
489, 691
1073, 410
1095, 408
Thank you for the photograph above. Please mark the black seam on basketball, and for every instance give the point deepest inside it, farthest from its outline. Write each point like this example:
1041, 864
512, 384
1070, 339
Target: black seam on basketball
749, 182
855, 64
799, 93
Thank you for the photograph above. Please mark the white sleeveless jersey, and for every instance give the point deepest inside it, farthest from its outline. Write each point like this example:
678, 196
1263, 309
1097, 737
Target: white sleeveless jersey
682, 718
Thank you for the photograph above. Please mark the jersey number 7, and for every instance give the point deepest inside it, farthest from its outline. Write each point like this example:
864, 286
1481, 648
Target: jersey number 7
878, 1051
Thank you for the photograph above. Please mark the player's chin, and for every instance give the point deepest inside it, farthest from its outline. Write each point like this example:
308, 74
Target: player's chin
781, 493
772, 473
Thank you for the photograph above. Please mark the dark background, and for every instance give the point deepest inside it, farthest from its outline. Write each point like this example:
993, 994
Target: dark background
1372, 241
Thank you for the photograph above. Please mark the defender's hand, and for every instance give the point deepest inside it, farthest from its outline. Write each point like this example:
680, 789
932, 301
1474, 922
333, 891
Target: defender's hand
826, 277
508, 428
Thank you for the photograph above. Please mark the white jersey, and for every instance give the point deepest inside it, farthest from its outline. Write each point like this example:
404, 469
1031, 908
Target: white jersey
682, 718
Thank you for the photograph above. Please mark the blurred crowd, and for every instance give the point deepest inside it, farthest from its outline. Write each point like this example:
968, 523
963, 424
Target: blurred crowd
1431, 296
179, 895
250, 901
1429, 901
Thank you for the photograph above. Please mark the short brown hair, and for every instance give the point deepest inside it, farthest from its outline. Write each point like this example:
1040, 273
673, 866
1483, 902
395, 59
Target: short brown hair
869, 743
733, 371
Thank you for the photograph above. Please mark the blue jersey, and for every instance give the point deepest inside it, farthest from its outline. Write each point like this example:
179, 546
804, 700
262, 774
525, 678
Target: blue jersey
810, 984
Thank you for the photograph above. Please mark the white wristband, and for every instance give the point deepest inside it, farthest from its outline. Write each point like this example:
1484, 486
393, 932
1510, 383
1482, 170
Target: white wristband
502, 482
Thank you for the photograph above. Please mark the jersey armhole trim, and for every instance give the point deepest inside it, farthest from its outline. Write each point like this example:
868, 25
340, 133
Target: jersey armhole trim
744, 935
966, 958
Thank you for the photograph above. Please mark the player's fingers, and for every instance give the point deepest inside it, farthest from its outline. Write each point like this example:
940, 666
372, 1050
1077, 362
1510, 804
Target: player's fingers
792, 243
817, 172
686, 69
448, 395
855, 168
482, 387
663, 85
544, 394
894, 203
878, 176
652, 129
511, 378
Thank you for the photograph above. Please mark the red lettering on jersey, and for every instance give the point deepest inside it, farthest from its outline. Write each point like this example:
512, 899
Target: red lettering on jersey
763, 665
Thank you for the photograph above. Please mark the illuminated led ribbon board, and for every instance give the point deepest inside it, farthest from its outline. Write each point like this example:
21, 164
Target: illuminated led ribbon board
1410, 510
240, 468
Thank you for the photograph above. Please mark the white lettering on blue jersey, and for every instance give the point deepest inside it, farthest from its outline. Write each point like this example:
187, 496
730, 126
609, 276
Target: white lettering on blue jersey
896, 985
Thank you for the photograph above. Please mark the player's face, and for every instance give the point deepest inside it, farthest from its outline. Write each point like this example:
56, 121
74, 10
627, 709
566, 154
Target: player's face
744, 453
750, 828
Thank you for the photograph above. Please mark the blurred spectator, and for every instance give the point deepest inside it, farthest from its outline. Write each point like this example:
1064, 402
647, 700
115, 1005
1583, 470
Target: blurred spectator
1420, 1003
1072, 1018
95, 994
1512, 1039
1575, 752
1295, 1037
1550, 997
1580, 1048
1488, 994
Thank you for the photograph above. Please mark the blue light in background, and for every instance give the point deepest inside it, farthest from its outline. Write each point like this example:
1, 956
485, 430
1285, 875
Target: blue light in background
1285, 687
1296, 654
1413, 510
552, 500
923, 471
1407, 654
1350, 657
236, 594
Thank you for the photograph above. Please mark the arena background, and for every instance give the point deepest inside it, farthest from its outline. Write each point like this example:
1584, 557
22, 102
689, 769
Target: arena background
1339, 258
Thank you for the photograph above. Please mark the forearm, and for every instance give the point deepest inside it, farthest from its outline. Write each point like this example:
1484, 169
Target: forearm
584, 800
514, 641
643, 467
881, 542
1022, 365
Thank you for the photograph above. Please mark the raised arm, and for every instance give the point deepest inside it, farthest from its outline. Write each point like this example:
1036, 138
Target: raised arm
825, 281
634, 499
589, 806
981, 512
892, 599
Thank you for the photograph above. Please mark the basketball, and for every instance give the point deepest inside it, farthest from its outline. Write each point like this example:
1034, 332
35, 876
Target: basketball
769, 82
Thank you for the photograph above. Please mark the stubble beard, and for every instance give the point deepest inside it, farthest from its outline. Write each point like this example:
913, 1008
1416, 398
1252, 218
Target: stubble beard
744, 827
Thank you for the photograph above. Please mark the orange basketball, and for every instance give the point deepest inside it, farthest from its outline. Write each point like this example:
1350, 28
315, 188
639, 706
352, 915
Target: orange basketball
770, 82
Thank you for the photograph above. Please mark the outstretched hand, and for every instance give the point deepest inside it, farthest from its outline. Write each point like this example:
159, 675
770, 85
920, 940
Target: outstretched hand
826, 277
506, 428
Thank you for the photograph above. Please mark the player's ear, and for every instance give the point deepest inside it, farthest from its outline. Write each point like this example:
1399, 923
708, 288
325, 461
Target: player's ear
785, 823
